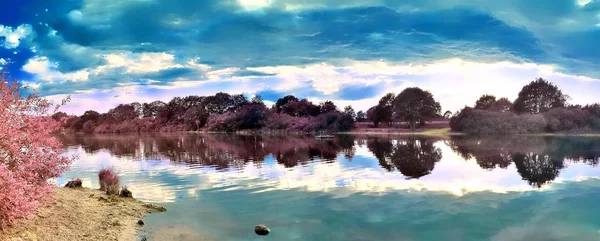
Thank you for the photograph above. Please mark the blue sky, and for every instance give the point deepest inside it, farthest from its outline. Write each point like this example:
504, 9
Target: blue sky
105, 52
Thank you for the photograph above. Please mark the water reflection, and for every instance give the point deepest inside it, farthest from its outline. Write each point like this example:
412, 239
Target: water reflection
353, 187
413, 157
538, 160
220, 151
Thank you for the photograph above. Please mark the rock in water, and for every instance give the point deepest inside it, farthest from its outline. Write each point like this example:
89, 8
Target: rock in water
74, 184
261, 230
141, 222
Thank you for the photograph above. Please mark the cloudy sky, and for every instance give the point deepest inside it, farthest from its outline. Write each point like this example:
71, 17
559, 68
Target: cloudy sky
105, 52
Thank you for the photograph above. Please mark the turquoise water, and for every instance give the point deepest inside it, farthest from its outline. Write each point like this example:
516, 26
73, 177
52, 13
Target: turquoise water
218, 187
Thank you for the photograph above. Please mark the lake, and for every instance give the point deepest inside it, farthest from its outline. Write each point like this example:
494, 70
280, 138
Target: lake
353, 187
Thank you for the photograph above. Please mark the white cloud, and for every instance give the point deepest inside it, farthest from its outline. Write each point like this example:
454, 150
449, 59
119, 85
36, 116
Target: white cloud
13, 37
251, 5
4, 61
140, 62
47, 71
453, 82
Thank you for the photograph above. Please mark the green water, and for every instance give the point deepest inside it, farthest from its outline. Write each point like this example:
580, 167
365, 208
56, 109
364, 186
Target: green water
218, 187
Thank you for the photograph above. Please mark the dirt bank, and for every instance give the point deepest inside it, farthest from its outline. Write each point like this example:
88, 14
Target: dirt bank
82, 214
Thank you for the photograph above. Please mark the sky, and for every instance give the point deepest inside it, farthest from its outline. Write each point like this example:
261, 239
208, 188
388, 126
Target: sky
105, 52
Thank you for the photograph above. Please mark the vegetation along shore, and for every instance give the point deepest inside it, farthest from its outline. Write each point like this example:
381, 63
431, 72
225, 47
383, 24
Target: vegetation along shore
540, 107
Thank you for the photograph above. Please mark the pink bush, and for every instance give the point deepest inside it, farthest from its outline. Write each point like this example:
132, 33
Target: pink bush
30, 154
109, 181
103, 175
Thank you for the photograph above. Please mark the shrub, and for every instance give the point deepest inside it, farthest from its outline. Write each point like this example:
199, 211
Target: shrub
483, 122
566, 119
30, 154
332, 121
109, 181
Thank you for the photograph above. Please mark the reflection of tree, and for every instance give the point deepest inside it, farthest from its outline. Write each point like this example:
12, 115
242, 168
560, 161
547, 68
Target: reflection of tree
220, 151
413, 158
537, 169
543, 159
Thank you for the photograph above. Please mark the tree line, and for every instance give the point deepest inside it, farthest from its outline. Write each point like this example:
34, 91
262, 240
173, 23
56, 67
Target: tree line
540, 107
219, 112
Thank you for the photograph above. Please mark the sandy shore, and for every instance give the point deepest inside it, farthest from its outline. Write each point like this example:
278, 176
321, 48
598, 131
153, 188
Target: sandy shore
82, 214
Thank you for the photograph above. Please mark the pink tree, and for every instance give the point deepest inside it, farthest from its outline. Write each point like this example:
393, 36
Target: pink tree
29, 155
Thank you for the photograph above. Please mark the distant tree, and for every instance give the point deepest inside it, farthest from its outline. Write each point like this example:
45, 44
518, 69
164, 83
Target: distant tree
192, 101
361, 116
59, 116
195, 117
257, 99
489, 102
414, 105
237, 102
539, 96
282, 102
485, 102
348, 110
152, 109
302, 108
502, 105
327, 106
447, 114
90, 115
383, 111
123, 112
137, 108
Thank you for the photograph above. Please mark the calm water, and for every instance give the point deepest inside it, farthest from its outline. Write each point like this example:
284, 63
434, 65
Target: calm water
218, 187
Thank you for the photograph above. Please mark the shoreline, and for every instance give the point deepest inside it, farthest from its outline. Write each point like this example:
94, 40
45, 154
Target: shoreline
82, 214
434, 132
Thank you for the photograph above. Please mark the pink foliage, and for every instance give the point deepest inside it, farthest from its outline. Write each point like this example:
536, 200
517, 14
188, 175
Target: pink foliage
106, 176
29, 155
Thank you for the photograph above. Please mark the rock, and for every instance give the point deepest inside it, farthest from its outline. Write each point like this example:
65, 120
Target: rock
141, 222
261, 230
74, 184
126, 193
155, 207
144, 239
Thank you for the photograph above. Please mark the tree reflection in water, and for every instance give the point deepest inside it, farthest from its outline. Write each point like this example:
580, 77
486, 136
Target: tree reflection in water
220, 151
539, 160
413, 157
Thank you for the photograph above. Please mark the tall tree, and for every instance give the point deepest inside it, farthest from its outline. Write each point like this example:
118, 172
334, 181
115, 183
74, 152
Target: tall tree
447, 114
327, 106
415, 105
348, 110
282, 102
489, 102
539, 96
485, 102
361, 116
383, 111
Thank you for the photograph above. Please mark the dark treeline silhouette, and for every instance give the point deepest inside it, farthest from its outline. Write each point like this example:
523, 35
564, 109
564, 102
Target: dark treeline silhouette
540, 107
219, 112
538, 160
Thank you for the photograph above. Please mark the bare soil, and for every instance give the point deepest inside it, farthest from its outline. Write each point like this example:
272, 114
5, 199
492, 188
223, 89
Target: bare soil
82, 214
